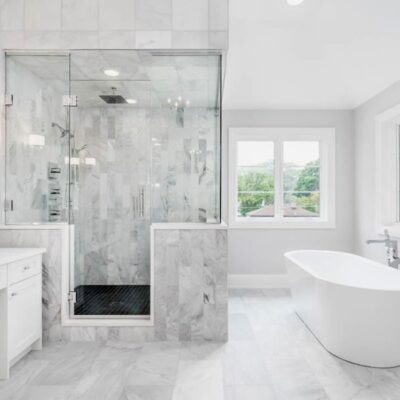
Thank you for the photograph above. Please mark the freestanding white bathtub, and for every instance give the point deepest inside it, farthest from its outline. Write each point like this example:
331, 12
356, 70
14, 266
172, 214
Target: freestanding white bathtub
351, 304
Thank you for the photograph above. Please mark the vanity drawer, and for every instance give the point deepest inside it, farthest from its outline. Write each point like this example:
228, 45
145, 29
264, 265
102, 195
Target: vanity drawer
23, 269
3, 276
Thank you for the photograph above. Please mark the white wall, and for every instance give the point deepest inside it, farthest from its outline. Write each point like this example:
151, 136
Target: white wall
261, 251
365, 167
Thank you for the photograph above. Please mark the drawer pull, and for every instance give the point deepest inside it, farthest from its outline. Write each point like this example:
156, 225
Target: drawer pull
14, 294
27, 267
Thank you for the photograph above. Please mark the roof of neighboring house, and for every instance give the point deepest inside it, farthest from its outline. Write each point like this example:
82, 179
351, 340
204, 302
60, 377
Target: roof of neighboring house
288, 211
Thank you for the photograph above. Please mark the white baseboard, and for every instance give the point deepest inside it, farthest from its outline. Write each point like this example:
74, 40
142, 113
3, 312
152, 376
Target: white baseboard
253, 281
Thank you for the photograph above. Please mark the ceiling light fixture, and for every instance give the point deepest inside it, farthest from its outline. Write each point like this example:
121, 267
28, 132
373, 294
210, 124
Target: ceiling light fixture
131, 101
294, 2
111, 72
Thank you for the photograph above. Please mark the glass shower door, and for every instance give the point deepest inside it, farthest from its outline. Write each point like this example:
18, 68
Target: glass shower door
36, 178
110, 205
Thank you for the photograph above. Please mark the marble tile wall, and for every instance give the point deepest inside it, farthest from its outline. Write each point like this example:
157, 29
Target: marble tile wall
111, 199
185, 169
36, 104
138, 153
190, 287
191, 284
66, 24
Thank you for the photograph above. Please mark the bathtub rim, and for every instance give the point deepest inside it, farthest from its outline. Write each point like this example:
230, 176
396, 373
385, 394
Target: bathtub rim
289, 255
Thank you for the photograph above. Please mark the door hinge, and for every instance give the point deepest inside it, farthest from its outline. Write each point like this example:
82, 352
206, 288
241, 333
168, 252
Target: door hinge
72, 297
70, 100
8, 99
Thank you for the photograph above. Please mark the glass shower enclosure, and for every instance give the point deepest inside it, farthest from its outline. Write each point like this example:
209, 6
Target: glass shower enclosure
109, 142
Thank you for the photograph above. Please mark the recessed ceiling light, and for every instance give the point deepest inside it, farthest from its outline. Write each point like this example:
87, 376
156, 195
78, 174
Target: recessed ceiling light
294, 2
111, 72
131, 101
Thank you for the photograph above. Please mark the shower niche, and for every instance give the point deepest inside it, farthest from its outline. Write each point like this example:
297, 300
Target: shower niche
109, 142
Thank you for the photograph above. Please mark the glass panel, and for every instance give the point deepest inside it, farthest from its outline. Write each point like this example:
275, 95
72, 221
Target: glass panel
144, 148
255, 172
110, 177
36, 176
398, 174
185, 134
301, 179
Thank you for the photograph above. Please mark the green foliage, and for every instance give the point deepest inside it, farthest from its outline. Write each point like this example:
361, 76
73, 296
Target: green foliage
308, 180
310, 202
255, 189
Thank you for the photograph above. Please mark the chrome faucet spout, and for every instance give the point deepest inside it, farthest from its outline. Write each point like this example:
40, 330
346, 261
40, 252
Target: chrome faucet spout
393, 259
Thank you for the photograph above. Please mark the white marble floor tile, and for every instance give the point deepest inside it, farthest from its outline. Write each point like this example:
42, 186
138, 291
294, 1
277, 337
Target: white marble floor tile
67, 367
147, 393
270, 355
103, 380
199, 380
253, 392
156, 365
192, 351
244, 364
22, 375
33, 392
240, 327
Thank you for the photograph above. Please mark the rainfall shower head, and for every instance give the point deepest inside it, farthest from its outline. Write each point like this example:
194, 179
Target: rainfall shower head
64, 132
113, 98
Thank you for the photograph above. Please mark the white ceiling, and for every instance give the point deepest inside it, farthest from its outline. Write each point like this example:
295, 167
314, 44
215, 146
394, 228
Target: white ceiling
323, 54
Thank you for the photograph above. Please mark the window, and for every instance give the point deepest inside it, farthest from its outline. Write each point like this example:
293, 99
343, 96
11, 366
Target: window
281, 177
387, 148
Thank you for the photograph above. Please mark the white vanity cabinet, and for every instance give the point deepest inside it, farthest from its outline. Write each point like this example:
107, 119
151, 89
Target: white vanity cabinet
20, 305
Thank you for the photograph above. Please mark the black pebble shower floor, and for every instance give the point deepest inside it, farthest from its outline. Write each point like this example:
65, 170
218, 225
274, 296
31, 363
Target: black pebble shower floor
112, 300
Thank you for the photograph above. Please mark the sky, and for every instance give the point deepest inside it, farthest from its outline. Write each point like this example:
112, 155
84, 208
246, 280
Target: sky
257, 152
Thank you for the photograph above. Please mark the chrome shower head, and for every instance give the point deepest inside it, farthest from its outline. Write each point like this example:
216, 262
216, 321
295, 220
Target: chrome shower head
64, 132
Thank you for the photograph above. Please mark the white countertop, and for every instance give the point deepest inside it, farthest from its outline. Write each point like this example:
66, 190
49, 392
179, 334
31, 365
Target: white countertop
11, 254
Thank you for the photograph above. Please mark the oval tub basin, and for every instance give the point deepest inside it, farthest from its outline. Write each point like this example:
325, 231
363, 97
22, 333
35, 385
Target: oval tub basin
351, 304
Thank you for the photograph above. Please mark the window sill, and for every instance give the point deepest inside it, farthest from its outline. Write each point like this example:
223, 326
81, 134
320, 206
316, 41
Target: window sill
287, 224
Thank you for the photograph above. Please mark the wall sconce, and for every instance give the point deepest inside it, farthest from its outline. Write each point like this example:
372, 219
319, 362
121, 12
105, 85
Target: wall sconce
36, 140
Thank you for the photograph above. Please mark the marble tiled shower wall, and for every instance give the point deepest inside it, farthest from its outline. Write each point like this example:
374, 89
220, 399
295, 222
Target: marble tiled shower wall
110, 200
37, 103
185, 165
120, 24
190, 287
140, 154
191, 269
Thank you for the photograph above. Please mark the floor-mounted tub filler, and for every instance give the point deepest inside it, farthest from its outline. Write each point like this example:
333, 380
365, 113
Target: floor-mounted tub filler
351, 304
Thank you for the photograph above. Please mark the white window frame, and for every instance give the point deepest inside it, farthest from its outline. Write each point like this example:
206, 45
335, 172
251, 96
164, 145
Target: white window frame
387, 171
326, 138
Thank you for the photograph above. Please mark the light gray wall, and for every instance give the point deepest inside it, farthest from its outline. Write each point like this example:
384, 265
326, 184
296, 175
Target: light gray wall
365, 166
261, 251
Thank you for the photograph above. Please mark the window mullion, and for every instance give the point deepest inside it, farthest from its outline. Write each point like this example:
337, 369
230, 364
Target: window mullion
278, 185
